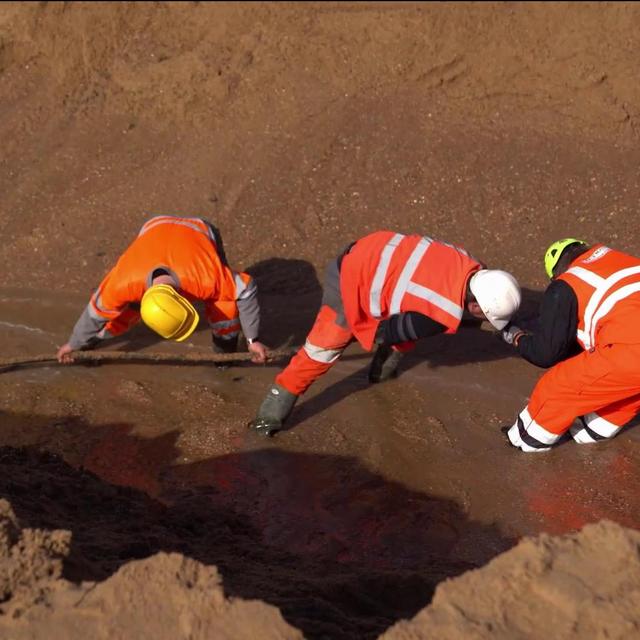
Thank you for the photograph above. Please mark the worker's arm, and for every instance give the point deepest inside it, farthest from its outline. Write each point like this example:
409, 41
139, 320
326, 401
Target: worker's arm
86, 333
249, 315
395, 336
407, 327
249, 310
86, 330
105, 305
554, 339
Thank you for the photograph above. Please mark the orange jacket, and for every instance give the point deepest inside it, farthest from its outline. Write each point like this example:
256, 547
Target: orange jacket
607, 285
186, 249
386, 273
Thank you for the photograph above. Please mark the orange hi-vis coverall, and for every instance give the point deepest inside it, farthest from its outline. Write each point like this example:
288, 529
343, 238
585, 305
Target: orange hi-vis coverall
382, 274
190, 251
601, 385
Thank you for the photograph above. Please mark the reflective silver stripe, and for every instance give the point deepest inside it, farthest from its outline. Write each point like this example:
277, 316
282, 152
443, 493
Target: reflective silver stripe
516, 440
209, 230
320, 354
93, 313
174, 219
226, 335
453, 246
583, 336
97, 301
223, 324
404, 281
225, 329
587, 276
535, 430
435, 298
179, 222
155, 221
381, 274
601, 426
599, 294
151, 221
609, 303
241, 285
150, 225
581, 435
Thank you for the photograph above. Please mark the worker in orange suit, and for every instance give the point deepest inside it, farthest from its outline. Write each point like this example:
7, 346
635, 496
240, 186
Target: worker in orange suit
171, 263
389, 289
589, 334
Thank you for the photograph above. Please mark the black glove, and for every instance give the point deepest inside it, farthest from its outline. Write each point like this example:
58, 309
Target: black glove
384, 364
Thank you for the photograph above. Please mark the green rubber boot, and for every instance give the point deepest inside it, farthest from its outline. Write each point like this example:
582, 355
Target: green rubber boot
273, 411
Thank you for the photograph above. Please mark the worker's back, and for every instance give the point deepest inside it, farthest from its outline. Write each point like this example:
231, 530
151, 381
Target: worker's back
185, 248
386, 273
607, 285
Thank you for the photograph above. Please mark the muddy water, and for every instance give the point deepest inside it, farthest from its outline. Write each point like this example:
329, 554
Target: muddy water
386, 489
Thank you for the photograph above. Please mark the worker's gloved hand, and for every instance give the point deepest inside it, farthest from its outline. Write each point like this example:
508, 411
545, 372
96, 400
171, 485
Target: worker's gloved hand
384, 365
511, 334
273, 411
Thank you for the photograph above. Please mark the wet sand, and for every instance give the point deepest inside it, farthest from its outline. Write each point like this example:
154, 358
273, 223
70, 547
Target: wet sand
297, 129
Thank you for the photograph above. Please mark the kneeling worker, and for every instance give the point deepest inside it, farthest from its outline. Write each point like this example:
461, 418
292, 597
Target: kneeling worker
390, 290
589, 334
172, 262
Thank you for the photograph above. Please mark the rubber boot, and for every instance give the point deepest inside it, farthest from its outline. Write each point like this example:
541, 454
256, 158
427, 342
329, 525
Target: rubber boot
273, 411
384, 365
224, 345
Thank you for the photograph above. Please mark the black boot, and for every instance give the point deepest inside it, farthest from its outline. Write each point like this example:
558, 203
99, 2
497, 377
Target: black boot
273, 411
224, 345
384, 365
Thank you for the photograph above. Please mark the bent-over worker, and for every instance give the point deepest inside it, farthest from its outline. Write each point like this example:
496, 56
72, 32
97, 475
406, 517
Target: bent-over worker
589, 334
389, 289
171, 263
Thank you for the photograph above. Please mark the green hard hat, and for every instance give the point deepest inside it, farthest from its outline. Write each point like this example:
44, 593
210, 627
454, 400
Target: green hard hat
554, 252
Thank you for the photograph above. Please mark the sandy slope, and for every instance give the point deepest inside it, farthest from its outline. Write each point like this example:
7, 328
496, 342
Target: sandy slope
566, 587
167, 596
296, 127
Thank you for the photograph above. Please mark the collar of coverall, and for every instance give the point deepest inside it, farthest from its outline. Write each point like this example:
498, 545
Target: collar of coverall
165, 276
165, 279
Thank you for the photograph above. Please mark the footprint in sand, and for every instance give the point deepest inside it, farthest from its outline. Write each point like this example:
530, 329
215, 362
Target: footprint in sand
429, 430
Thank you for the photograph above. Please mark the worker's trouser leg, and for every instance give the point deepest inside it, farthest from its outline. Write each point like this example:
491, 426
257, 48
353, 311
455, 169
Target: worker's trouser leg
606, 422
225, 325
324, 345
601, 387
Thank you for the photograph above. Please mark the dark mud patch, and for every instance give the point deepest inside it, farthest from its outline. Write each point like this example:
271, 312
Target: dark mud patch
342, 551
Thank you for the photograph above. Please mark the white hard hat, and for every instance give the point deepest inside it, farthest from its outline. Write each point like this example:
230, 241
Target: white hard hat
498, 294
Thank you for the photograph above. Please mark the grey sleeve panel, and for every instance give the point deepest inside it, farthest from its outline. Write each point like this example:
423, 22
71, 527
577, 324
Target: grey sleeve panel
86, 329
249, 311
331, 295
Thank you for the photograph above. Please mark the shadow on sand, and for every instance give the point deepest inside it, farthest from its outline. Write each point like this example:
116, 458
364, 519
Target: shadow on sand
342, 551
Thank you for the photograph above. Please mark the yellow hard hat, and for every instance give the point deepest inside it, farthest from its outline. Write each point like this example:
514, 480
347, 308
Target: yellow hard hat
168, 313
554, 252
